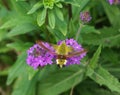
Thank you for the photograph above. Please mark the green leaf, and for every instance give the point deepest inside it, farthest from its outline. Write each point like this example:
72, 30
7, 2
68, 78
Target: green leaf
22, 29
106, 37
68, 77
31, 72
72, 28
57, 34
103, 77
20, 7
59, 5
13, 21
89, 29
35, 7
9, 23
94, 60
41, 17
18, 68
85, 29
100, 75
113, 13
61, 26
59, 13
73, 2
92, 89
110, 55
24, 86
83, 3
17, 45
51, 19
3, 34
44, 72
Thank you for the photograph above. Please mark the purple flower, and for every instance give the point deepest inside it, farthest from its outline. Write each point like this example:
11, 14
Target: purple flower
111, 2
85, 17
77, 47
114, 2
37, 56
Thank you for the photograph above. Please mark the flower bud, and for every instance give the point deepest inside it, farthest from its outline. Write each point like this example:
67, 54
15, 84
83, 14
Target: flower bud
85, 17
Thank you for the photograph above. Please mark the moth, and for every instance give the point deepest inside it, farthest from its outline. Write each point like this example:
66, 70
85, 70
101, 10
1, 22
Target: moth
62, 52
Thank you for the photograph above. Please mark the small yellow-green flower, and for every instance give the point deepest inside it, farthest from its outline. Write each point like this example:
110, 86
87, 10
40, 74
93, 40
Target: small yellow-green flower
48, 3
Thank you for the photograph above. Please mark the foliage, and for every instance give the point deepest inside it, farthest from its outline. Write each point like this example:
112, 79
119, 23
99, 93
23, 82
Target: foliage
22, 22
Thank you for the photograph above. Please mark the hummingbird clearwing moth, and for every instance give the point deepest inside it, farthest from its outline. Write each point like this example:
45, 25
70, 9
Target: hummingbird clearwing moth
62, 52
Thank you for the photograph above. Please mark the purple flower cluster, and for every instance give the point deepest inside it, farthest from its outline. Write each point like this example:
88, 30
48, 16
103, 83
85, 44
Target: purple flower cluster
114, 2
39, 57
85, 17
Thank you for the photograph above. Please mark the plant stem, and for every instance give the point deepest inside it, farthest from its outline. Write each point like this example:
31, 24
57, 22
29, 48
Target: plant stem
78, 32
71, 92
2, 92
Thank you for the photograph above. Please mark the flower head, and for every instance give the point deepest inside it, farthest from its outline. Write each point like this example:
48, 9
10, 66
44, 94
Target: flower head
85, 17
111, 2
48, 3
37, 56
114, 2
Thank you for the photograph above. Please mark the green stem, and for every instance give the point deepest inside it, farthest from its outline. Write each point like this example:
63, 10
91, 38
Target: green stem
71, 92
78, 32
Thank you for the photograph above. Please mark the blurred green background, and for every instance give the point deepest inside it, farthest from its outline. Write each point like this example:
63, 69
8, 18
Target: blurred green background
22, 22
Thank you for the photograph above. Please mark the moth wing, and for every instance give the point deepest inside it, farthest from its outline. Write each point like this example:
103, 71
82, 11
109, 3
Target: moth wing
40, 43
76, 53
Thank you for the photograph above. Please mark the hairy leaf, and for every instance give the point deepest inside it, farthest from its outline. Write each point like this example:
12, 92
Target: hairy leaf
103, 77
68, 77
35, 7
24, 86
41, 17
51, 19
22, 29
59, 14
17, 69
